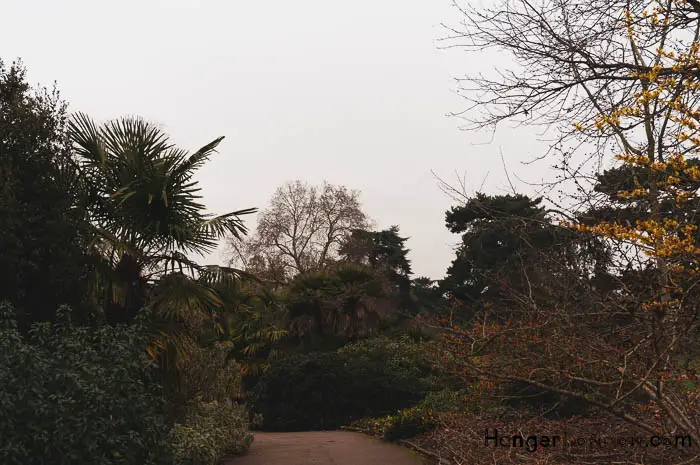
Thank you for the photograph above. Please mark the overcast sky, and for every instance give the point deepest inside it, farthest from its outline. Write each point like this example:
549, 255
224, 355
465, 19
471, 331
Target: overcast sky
355, 93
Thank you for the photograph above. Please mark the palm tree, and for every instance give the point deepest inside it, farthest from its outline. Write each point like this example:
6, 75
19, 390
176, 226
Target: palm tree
144, 214
346, 300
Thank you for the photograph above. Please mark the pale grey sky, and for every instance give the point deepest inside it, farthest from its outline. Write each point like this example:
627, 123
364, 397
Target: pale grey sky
354, 93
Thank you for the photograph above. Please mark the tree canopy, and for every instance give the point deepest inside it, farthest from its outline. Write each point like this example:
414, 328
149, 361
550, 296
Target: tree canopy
44, 261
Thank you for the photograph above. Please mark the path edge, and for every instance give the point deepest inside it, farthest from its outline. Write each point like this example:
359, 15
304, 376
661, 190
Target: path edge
436, 459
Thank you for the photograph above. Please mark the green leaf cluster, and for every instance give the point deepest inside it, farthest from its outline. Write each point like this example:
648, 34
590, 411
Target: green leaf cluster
79, 395
212, 430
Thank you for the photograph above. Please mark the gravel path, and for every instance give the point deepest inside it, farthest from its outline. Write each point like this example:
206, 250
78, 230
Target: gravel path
324, 448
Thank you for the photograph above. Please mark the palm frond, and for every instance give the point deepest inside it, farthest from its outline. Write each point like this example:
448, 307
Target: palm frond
224, 277
182, 299
107, 244
161, 264
186, 168
134, 140
86, 139
229, 223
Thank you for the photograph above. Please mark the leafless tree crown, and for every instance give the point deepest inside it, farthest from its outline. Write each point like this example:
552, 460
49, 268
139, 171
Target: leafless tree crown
577, 62
301, 230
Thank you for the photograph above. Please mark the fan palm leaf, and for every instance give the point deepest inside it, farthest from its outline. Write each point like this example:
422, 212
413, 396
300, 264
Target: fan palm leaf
143, 189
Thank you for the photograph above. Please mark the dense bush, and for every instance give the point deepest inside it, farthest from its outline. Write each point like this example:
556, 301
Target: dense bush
301, 392
445, 400
401, 357
525, 397
410, 422
210, 425
206, 374
346, 300
326, 390
212, 430
74, 395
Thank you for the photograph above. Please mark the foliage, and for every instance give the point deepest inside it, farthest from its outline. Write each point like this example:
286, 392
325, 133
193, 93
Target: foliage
614, 185
213, 430
405, 423
303, 392
206, 374
386, 253
426, 294
79, 395
144, 208
663, 306
410, 422
145, 216
403, 357
326, 390
251, 322
444, 400
43, 263
506, 240
620, 78
102, 218
585, 342
384, 250
347, 300
256, 328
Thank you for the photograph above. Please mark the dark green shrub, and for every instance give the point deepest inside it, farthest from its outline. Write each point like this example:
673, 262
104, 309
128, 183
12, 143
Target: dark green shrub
209, 425
524, 396
308, 391
387, 374
445, 400
212, 430
206, 374
406, 423
410, 422
400, 357
78, 395
346, 300
327, 390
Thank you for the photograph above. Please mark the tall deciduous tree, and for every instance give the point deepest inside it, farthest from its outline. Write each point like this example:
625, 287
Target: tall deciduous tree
301, 231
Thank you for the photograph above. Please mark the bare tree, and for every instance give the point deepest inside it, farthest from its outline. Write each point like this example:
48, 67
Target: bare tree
617, 77
300, 231
585, 68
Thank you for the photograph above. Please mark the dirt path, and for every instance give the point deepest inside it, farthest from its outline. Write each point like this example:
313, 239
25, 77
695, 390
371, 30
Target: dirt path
324, 448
